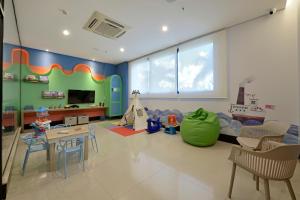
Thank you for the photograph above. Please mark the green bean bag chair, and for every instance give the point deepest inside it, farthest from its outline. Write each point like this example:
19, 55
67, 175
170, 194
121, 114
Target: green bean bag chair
200, 128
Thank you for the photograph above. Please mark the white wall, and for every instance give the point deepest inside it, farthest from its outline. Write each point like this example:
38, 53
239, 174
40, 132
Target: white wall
266, 49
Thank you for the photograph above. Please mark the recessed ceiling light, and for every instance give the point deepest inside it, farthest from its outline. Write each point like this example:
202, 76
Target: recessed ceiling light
122, 49
66, 32
47, 49
164, 28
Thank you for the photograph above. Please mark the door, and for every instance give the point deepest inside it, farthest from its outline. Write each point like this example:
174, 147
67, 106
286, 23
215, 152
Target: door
115, 96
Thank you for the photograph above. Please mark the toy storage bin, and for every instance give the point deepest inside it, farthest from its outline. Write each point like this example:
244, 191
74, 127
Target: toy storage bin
83, 119
70, 121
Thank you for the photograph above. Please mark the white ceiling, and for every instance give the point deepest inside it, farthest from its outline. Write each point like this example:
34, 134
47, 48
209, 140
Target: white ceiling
10, 33
41, 24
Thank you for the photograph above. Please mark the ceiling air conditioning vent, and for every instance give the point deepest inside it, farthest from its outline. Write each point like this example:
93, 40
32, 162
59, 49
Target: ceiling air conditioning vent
105, 26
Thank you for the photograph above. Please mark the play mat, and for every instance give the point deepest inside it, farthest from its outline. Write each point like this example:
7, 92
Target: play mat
121, 130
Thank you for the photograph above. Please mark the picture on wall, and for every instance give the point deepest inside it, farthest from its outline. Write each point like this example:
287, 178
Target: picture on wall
53, 95
44, 79
245, 112
250, 112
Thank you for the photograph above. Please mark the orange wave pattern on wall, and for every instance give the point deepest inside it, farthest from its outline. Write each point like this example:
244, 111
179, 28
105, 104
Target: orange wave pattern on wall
21, 56
5, 66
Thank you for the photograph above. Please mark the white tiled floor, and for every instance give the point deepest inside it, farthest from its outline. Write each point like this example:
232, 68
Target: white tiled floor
142, 167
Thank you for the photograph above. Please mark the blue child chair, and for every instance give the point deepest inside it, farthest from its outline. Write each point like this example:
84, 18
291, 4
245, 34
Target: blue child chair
66, 147
92, 137
35, 142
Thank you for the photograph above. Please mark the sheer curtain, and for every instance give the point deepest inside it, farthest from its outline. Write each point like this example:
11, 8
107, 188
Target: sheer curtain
195, 69
139, 76
154, 76
163, 73
202, 67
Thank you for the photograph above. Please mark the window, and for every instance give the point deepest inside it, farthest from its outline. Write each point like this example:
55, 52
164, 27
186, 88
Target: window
196, 69
139, 73
162, 73
155, 75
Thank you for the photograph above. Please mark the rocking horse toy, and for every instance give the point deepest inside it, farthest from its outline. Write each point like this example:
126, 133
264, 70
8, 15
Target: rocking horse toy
154, 125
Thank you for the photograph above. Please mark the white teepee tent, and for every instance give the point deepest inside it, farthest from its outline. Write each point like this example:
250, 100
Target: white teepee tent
135, 114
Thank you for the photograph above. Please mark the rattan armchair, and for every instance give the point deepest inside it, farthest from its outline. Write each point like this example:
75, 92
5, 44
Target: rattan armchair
277, 163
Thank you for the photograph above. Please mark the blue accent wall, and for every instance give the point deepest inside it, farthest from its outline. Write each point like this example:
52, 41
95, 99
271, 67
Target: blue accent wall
7, 51
122, 70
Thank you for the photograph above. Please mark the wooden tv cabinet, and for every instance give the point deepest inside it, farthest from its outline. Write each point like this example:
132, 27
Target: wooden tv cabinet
59, 114
9, 118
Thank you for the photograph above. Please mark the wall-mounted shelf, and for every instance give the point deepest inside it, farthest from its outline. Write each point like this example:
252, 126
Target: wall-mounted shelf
6, 79
34, 81
49, 97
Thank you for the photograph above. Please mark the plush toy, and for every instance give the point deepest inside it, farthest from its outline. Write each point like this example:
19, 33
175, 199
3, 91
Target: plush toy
38, 130
42, 114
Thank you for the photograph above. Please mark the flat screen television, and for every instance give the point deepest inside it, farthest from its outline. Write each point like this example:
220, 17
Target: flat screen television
81, 96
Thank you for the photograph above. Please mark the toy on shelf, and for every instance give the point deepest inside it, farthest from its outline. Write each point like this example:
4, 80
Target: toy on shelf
8, 76
42, 120
31, 78
44, 79
28, 107
53, 95
9, 108
101, 104
36, 79
154, 125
